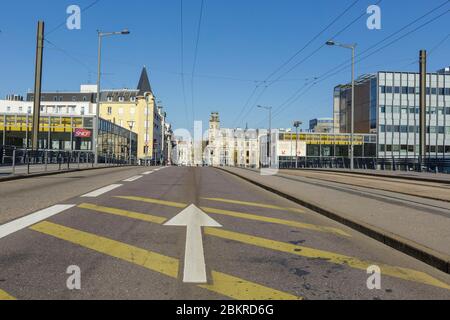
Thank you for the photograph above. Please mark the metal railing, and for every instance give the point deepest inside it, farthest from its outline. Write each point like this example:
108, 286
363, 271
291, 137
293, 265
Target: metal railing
24, 161
436, 165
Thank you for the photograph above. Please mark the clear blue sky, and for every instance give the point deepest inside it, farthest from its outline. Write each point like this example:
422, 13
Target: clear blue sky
241, 42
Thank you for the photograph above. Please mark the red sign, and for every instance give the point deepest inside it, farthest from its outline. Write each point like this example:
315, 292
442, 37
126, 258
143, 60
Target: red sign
82, 133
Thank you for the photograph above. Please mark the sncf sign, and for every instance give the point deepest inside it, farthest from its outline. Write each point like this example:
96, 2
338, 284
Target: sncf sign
82, 133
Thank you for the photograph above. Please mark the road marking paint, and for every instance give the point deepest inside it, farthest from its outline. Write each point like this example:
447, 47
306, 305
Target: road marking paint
239, 289
22, 223
194, 220
226, 285
147, 173
255, 204
247, 216
99, 192
289, 223
155, 201
132, 179
397, 272
4, 296
124, 213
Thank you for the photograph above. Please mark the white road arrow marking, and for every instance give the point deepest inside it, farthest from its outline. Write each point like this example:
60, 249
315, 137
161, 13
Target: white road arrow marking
194, 262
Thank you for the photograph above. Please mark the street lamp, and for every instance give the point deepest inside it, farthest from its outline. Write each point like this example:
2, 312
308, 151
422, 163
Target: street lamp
98, 100
297, 125
131, 125
270, 132
351, 47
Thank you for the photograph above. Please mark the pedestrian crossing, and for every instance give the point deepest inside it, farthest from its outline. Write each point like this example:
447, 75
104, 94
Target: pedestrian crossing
222, 283
331, 257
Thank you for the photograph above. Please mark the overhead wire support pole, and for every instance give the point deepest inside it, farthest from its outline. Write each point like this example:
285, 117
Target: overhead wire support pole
423, 109
38, 85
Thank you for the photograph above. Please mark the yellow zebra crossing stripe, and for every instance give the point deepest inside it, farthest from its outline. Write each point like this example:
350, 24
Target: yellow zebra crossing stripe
124, 213
224, 284
335, 258
255, 204
4, 296
246, 216
289, 223
397, 272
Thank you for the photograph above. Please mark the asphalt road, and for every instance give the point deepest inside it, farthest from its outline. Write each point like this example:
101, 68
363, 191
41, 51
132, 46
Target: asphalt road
267, 248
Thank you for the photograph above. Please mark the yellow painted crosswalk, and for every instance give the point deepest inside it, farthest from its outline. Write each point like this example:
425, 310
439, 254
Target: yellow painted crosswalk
4, 296
221, 283
246, 216
331, 257
255, 204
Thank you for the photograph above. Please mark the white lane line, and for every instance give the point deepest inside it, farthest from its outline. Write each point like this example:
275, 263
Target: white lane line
22, 223
148, 172
133, 179
99, 192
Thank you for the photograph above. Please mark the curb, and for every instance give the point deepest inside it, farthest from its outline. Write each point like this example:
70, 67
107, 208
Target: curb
51, 173
415, 250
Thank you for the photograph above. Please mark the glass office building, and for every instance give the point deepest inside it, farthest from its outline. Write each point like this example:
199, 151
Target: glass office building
387, 104
67, 133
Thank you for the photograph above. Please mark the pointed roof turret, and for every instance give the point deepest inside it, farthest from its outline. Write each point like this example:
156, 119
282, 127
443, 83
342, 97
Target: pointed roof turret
144, 83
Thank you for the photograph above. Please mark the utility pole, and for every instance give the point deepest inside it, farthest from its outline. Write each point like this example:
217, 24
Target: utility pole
38, 84
423, 108
352, 126
297, 124
269, 151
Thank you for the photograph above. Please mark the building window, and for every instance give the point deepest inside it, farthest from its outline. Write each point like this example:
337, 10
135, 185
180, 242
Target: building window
121, 99
110, 99
411, 90
404, 90
109, 111
20, 109
396, 89
29, 110
74, 98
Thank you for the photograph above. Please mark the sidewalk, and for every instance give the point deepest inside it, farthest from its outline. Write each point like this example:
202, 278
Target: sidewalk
421, 233
6, 172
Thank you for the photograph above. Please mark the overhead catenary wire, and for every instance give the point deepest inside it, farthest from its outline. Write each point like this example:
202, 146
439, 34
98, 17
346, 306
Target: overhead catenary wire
330, 73
62, 24
183, 84
271, 83
194, 65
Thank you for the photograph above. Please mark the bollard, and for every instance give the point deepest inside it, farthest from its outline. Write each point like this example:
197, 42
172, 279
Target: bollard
46, 160
14, 162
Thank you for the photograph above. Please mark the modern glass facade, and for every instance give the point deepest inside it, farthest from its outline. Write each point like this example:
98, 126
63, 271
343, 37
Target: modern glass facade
388, 103
66, 133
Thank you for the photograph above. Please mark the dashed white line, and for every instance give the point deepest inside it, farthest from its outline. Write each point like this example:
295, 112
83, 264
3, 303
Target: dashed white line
133, 179
22, 223
148, 172
99, 192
